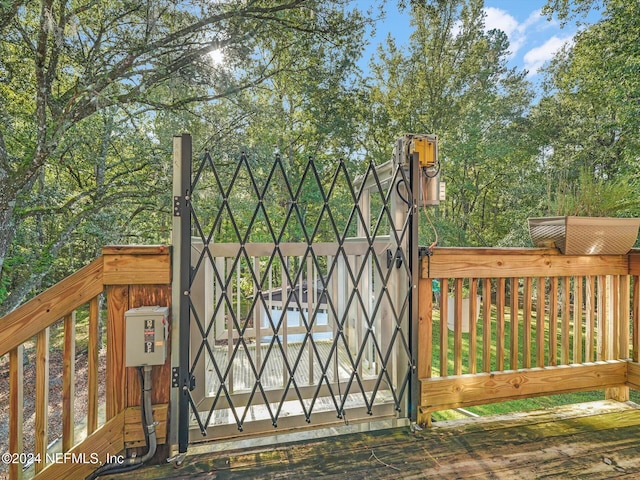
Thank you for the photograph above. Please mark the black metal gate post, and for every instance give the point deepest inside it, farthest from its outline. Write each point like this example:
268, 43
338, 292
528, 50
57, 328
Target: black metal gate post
182, 209
414, 263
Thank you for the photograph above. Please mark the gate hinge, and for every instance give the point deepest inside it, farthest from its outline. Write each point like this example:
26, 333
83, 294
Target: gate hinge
175, 379
177, 204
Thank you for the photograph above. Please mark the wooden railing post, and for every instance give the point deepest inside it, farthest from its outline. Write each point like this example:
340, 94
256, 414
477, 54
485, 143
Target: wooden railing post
621, 314
425, 338
117, 305
134, 277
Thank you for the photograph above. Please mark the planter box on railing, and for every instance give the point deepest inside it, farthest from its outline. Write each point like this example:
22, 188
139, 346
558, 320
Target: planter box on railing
585, 235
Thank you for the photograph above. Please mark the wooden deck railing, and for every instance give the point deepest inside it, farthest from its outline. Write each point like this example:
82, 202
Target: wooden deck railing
123, 273
543, 323
546, 323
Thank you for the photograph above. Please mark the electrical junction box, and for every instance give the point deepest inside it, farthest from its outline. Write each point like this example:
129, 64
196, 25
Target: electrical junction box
425, 146
146, 336
422, 148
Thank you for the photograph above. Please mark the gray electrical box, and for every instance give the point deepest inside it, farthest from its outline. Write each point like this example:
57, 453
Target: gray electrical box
146, 335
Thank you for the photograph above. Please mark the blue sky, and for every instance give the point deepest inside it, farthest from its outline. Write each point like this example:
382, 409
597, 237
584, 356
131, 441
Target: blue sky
533, 39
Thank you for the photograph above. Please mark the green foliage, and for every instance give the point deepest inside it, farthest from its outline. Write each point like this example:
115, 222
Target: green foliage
453, 81
588, 122
566, 10
92, 95
597, 197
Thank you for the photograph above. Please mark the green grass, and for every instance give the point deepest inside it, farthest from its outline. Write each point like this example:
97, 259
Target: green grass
528, 404
506, 342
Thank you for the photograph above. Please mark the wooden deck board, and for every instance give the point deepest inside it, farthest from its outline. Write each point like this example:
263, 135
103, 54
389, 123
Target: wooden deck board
591, 441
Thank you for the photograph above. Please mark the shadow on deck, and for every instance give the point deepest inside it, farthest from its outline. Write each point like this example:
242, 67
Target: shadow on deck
597, 440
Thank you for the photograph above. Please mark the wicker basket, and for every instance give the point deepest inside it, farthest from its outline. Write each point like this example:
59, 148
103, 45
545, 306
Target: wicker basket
585, 235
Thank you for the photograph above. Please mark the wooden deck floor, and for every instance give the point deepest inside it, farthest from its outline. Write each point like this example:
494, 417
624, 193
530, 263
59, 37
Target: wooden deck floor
599, 440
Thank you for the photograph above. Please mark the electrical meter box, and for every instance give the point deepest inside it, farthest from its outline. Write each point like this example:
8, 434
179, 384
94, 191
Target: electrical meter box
146, 335
424, 149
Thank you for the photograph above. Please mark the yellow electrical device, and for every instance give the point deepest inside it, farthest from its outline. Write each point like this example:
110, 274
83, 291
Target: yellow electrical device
426, 149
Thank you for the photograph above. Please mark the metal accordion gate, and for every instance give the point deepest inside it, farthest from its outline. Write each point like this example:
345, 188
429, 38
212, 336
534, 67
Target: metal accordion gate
296, 294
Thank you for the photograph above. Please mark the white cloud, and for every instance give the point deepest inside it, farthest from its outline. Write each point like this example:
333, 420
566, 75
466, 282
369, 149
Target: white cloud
521, 34
534, 18
515, 31
535, 58
494, 18
499, 19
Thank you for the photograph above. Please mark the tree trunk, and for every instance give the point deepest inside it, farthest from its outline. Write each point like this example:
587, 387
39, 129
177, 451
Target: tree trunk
7, 231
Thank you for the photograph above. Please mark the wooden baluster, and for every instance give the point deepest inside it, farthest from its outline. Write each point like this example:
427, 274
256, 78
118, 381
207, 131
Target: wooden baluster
42, 398
500, 326
92, 366
553, 322
577, 320
425, 328
68, 381
590, 320
624, 316
540, 320
486, 325
564, 327
613, 286
444, 329
636, 318
609, 321
514, 314
621, 394
457, 329
602, 337
526, 300
473, 315
16, 408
